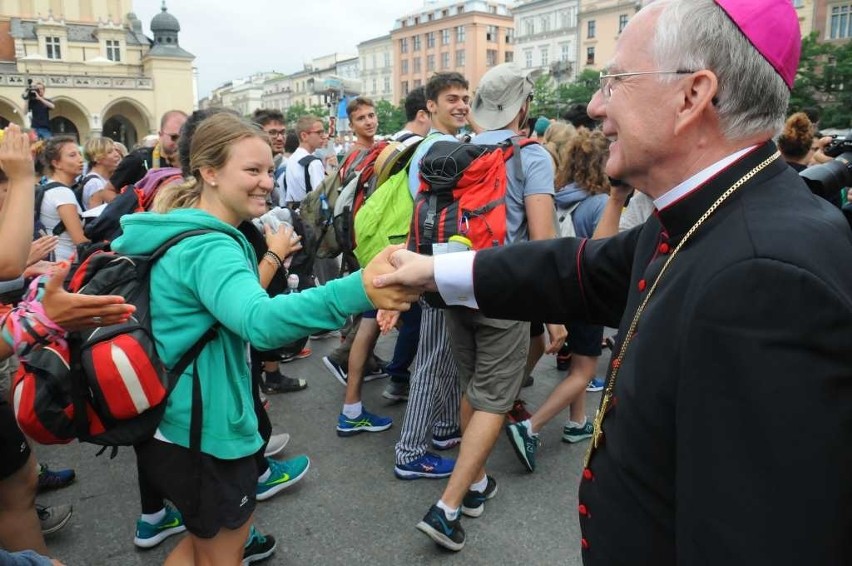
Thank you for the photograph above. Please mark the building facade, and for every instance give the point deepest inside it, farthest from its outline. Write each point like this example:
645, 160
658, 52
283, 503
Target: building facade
600, 24
277, 92
469, 37
376, 58
104, 76
546, 37
832, 19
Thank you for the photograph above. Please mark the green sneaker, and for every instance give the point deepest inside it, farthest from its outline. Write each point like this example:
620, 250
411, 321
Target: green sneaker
149, 536
574, 434
282, 475
524, 443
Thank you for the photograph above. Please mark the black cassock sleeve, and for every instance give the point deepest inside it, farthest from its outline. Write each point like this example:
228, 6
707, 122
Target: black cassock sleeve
557, 281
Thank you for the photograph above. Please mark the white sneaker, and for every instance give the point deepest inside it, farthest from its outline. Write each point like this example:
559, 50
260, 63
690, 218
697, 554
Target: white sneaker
276, 444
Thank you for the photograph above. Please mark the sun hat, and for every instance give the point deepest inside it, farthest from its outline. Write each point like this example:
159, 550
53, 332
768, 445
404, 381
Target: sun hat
501, 94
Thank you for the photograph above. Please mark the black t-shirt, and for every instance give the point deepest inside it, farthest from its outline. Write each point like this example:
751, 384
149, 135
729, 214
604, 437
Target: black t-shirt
40, 113
133, 167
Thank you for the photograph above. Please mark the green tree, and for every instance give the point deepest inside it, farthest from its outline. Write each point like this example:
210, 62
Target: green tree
391, 118
552, 100
581, 89
544, 100
822, 81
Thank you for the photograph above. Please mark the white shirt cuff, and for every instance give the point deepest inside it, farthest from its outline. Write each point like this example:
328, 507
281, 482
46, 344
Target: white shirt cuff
454, 278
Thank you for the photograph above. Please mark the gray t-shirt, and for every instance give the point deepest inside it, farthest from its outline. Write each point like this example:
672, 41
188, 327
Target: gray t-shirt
537, 167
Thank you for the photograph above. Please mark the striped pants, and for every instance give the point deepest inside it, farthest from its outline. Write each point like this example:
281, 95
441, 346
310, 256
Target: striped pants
434, 397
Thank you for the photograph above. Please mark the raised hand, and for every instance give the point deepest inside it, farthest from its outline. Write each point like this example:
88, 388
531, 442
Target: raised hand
390, 296
283, 242
15, 157
73, 311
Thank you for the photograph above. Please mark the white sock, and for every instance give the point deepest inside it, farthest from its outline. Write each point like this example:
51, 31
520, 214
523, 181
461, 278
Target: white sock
265, 475
352, 411
154, 518
528, 424
451, 513
572, 424
480, 485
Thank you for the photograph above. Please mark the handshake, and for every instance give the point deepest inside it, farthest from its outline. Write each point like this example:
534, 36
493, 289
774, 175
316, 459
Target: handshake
396, 277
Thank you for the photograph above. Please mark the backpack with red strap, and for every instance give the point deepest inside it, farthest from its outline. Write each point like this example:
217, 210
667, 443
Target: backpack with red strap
463, 193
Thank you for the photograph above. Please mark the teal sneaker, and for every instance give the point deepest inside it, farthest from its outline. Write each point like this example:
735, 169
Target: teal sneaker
282, 475
524, 443
149, 536
257, 547
574, 434
365, 422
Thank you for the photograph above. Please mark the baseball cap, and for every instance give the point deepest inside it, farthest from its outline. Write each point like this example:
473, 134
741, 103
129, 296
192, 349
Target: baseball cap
772, 27
501, 94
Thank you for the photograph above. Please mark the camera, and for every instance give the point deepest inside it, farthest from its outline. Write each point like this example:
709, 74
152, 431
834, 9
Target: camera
31, 91
828, 179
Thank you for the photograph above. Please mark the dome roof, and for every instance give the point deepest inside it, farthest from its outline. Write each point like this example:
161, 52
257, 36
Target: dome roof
164, 22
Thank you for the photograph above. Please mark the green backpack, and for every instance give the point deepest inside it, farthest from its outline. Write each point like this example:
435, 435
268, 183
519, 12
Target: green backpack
385, 217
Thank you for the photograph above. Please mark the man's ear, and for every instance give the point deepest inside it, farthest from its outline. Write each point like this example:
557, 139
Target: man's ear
697, 95
431, 106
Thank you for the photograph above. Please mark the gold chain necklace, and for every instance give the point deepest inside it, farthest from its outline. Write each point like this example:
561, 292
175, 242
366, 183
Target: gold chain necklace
631, 331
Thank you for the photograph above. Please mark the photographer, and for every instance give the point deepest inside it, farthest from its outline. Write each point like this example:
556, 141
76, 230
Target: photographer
39, 108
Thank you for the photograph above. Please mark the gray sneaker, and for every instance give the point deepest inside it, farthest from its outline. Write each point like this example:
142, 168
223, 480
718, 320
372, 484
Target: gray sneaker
276, 444
524, 443
54, 517
396, 391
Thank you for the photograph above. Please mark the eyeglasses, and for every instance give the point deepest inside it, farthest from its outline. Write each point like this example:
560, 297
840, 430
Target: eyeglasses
173, 137
276, 133
320, 132
608, 80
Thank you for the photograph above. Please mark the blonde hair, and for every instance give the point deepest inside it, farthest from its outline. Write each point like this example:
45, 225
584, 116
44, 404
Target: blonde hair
96, 149
557, 140
210, 147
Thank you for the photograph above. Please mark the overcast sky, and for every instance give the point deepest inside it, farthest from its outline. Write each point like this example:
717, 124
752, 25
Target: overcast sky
232, 39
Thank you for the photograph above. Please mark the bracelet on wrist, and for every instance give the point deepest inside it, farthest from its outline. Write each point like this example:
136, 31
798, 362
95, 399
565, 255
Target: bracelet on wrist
273, 258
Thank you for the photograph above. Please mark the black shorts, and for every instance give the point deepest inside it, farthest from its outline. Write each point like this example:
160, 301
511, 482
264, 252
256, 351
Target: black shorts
210, 493
14, 449
584, 339
536, 329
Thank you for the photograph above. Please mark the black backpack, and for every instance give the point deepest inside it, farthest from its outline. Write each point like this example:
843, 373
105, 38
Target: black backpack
39, 228
108, 386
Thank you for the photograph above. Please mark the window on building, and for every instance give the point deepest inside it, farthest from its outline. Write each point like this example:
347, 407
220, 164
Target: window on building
565, 51
510, 35
529, 26
387, 59
622, 22
491, 33
417, 83
403, 45
404, 88
113, 50
52, 46
375, 86
460, 56
373, 61
405, 66
490, 57
510, 57
445, 37
528, 54
460, 34
430, 63
590, 55
591, 28
798, 3
430, 40
545, 23
460, 9
387, 85
417, 68
841, 22
445, 60
416, 43
544, 52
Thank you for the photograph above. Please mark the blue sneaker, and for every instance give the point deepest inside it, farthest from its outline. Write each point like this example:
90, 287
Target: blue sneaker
282, 475
426, 466
447, 441
149, 536
54, 479
595, 385
365, 422
446, 533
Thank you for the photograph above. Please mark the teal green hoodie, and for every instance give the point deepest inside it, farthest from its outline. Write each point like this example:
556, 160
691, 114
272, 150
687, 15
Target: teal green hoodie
213, 277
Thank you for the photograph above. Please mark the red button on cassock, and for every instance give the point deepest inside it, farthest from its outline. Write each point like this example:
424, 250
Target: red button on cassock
583, 511
641, 285
664, 248
584, 543
588, 475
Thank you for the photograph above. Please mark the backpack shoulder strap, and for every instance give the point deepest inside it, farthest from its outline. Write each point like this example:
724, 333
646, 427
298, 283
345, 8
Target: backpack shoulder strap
305, 162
